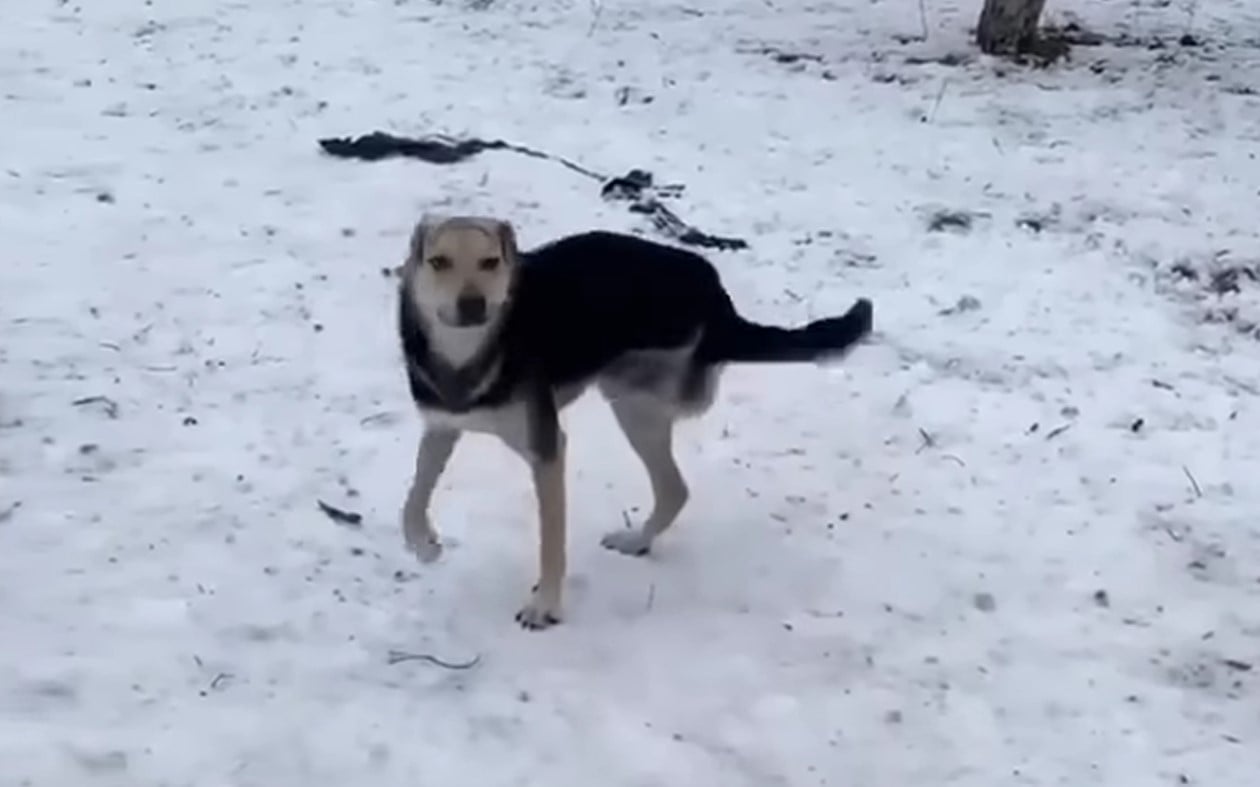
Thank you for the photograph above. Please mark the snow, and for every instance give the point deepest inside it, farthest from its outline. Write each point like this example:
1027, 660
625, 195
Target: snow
1014, 540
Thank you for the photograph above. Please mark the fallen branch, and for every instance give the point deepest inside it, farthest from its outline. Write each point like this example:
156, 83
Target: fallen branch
1058, 430
109, 405
635, 185
435, 149
1198, 491
399, 656
351, 518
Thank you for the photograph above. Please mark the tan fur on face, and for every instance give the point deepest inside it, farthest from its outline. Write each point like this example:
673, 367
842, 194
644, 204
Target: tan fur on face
452, 256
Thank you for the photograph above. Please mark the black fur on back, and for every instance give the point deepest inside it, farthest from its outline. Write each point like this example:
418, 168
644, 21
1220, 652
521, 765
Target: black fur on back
586, 300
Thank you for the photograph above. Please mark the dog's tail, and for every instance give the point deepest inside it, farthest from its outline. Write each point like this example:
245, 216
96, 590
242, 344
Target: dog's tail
738, 340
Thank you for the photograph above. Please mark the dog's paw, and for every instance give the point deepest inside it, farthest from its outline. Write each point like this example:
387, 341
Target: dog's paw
539, 613
629, 541
421, 539
428, 550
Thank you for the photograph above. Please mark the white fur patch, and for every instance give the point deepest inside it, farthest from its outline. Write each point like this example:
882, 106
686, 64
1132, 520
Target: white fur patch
456, 346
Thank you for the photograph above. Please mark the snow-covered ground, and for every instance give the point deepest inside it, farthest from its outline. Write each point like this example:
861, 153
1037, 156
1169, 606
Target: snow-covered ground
1015, 540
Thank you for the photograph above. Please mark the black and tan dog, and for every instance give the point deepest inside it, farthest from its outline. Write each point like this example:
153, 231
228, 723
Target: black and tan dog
499, 341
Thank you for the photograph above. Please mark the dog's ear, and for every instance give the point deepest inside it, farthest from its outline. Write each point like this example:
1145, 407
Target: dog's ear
425, 227
507, 241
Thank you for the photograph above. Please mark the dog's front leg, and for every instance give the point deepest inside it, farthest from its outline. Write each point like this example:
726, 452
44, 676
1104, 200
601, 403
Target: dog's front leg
544, 607
544, 447
436, 446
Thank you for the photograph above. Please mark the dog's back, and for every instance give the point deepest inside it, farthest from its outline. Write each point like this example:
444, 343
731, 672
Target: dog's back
585, 299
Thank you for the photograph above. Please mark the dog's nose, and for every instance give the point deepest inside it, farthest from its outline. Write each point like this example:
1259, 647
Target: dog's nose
471, 309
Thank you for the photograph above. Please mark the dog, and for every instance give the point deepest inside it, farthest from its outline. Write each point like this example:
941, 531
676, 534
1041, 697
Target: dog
499, 341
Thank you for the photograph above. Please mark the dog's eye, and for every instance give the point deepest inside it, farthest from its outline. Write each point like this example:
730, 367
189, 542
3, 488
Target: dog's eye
488, 263
439, 263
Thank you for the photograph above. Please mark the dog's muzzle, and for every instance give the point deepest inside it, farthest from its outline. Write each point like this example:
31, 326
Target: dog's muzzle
470, 310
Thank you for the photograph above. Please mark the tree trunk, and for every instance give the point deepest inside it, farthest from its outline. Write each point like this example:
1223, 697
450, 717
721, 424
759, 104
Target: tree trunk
1008, 27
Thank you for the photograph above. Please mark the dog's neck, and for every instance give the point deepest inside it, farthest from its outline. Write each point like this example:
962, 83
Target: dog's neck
460, 363
457, 348
457, 364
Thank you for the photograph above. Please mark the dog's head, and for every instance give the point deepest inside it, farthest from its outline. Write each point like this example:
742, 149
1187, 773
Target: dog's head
460, 269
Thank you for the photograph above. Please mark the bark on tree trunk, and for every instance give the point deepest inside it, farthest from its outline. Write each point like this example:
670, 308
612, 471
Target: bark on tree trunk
1008, 27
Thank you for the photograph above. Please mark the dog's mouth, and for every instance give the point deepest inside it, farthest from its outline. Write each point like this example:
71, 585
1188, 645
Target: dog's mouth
463, 320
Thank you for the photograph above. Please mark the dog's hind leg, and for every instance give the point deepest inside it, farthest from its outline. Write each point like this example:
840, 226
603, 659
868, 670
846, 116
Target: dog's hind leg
436, 446
649, 426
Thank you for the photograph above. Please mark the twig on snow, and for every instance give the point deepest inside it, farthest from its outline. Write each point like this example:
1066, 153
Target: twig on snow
928, 440
111, 407
351, 518
923, 18
940, 94
1058, 430
399, 656
636, 186
1198, 491
436, 149
383, 418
